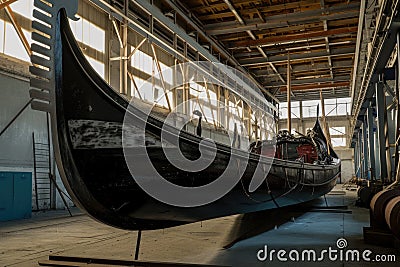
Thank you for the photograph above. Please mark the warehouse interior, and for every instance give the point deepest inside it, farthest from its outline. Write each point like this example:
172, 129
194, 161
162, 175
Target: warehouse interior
336, 60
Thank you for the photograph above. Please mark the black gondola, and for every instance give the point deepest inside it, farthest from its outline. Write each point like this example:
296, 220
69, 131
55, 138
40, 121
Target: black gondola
88, 117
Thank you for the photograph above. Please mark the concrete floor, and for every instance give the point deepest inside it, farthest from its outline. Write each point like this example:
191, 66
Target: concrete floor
23, 243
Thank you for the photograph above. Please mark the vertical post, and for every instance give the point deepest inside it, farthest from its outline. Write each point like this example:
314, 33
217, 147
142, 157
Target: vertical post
355, 160
365, 150
300, 128
361, 155
389, 137
325, 125
34, 171
139, 237
227, 108
53, 203
397, 146
371, 141
124, 88
288, 92
381, 114
377, 153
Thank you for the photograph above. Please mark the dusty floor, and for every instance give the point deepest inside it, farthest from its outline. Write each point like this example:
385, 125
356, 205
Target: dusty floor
23, 243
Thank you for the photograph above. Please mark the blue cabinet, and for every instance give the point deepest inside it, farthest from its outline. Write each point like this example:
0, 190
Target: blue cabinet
15, 195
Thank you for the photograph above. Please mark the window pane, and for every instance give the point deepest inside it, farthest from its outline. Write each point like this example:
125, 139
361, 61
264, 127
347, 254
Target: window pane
337, 130
97, 66
283, 110
338, 142
310, 108
13, 45
23, 7
89, 34
2, 35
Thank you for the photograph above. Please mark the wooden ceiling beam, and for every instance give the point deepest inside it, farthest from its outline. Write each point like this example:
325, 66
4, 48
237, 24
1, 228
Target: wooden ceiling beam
346, 52
336, 13
323, 86
299, 5
3, 4
294, 37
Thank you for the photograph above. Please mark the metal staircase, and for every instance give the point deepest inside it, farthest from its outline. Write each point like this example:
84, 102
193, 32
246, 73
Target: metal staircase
42, 173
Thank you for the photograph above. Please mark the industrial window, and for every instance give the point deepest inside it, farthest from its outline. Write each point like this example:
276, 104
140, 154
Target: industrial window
97, 65
337, 107
89, 34
310, 108
338, 141
12, 45
2, 35
142, 61
337, 130
145, 89
24, 8
283, 110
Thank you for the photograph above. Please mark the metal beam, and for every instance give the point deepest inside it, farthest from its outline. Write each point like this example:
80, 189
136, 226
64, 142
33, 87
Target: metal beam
383, 42
365, 149
381, 114
285, 20
308, 67
371, 141
294, 37
316, 86
343, 78
358, 48
314, 94
296, 57
288, 93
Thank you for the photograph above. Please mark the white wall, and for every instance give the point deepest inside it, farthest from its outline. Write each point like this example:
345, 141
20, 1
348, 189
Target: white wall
16, 146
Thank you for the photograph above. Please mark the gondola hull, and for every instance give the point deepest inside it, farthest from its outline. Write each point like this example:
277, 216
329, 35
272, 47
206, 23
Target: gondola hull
89, 116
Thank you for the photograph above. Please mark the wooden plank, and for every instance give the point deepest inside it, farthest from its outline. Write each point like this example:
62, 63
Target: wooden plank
295, 37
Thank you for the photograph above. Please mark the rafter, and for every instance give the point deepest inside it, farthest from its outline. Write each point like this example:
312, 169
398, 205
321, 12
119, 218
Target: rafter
295, 37
284, 20
5, 3
295, 57
317, 86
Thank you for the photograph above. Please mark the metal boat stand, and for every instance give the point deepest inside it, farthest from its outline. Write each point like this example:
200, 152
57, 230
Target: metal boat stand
138, 239
71, 261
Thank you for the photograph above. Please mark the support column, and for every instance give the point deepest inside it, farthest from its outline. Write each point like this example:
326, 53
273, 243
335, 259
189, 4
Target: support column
397, 146
371, 142
381, 114
288, 91
390, 140
360, 152
365, 150
123, 75
355, 160
377, 152
301, 126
